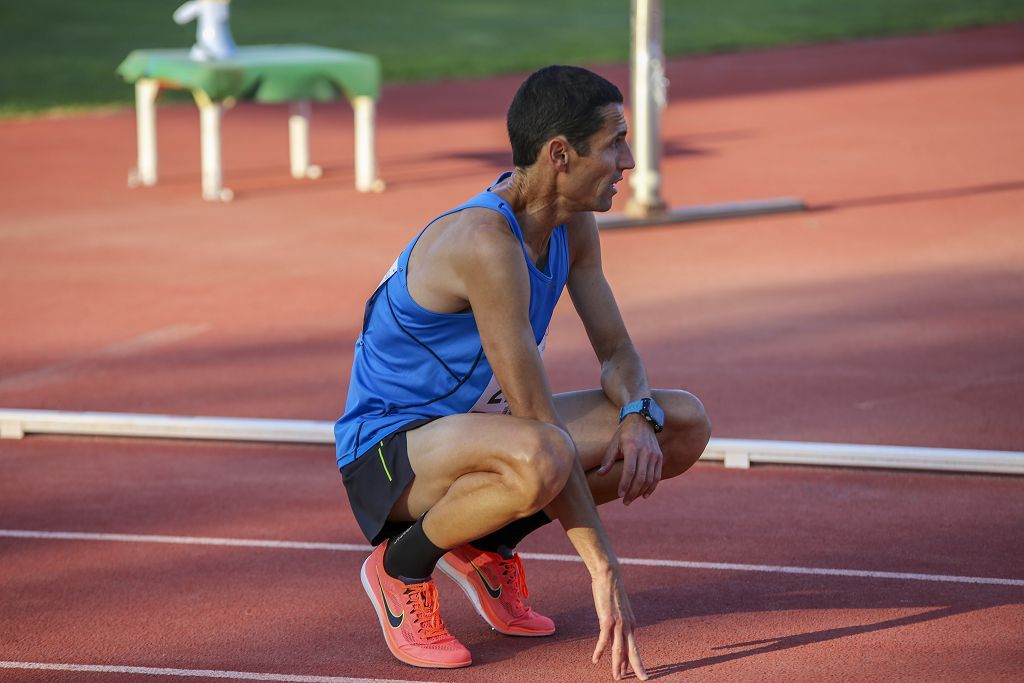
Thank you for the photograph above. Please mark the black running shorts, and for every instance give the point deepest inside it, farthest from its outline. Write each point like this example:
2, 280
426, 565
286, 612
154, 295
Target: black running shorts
376, 480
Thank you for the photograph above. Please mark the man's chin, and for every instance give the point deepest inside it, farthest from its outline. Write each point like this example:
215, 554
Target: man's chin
597, 205
602, 203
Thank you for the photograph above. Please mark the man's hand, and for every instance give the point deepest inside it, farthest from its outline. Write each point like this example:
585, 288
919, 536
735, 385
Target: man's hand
641, 458
618, 627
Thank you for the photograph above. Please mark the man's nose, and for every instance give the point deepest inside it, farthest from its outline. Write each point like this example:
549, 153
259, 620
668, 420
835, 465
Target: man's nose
627, 160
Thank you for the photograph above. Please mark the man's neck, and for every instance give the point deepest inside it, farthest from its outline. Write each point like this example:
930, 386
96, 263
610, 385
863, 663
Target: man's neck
536, 205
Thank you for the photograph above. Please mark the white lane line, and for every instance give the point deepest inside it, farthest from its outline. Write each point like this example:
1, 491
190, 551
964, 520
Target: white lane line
355, 547
776, 569
192, 673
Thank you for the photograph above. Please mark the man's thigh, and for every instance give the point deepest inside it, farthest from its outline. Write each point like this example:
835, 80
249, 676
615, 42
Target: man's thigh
442, 451
592, 419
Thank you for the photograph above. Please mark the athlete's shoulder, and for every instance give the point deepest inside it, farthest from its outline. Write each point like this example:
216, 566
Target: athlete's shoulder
473, 244
479, 233
478, 218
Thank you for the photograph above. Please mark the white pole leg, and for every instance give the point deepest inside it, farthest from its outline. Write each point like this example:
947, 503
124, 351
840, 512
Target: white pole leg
209, 146
298, 141
647, 99
366, 156
146, 90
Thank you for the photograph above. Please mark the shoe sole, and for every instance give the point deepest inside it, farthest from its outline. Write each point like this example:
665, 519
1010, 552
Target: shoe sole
398, 654
467, 588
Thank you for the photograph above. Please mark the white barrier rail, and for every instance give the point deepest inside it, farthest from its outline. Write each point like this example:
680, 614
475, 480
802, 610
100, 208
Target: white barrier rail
15, 424
734, 453
741, 453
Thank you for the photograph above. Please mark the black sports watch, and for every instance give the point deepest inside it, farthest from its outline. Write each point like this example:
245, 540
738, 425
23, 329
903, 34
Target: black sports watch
648, 409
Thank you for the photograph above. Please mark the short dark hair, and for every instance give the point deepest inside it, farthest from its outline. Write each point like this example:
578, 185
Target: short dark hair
557, 100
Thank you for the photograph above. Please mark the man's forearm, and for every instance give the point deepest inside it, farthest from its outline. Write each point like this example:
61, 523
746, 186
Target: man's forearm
574, 507
623, 376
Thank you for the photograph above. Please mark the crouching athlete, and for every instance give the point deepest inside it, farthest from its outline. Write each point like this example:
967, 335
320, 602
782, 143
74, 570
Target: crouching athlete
452, 447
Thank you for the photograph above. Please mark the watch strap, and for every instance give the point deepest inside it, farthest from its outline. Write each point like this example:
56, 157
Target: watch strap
646, 408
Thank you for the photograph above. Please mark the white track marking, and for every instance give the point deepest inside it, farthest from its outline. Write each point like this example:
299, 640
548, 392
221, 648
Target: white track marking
355, 547
191, 673
143, 342
781, 569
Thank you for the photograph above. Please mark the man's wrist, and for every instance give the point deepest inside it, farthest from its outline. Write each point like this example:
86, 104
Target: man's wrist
647, 409
638, 419
605, 571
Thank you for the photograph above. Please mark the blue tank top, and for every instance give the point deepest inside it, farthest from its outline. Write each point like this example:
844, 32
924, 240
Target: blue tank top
412, 364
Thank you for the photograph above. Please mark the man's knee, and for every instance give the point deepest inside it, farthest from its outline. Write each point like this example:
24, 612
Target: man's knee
540, 465
687, 431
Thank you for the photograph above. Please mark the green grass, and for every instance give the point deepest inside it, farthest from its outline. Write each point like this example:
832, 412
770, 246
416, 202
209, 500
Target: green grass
62, 53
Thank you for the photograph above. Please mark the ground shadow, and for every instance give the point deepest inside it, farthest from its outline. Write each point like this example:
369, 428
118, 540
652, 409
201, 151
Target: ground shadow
769, 645
921, 196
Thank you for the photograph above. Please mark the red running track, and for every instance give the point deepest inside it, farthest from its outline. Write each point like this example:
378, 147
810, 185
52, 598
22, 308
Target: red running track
302, 612
890, 313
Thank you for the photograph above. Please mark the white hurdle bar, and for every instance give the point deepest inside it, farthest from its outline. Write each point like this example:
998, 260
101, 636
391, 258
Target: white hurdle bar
733, 453
15, 424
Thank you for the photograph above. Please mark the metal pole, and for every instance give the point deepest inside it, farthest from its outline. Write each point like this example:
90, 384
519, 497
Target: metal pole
648, 98
648, 87
366, 155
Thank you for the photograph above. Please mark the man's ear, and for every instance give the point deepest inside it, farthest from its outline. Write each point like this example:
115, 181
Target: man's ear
558, 152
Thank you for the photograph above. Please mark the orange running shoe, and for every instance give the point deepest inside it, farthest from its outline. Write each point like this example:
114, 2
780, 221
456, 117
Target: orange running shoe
496, 587
410, 618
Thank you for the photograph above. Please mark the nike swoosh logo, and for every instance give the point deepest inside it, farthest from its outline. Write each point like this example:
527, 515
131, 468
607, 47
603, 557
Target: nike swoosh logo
394, 620
493, 592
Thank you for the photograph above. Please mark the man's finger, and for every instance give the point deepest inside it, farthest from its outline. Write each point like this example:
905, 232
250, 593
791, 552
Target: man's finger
618, 653
609, 457
602, 645
628, 472
634, 658
653, 469
647, 478
636, 487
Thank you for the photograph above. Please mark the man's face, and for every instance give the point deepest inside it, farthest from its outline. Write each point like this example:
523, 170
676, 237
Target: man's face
592, 178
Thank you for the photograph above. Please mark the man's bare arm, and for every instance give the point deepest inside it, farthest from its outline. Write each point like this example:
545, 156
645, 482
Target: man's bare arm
495, 281
623, 376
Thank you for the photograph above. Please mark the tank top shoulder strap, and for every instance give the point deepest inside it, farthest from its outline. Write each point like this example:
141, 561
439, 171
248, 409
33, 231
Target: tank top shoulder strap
490, 200
485, 200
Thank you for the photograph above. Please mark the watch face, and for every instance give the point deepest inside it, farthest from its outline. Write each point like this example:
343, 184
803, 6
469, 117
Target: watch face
654, 412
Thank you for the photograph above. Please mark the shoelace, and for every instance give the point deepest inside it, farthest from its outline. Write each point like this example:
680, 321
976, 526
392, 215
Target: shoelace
422, 597
515, 575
